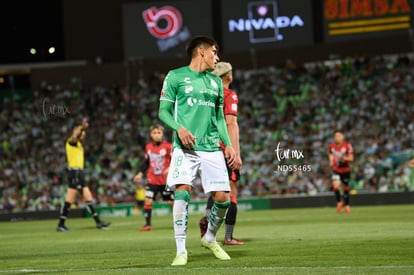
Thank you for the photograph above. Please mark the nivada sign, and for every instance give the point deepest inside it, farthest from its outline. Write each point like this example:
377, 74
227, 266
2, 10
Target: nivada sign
265, 24
161, 29
353, 17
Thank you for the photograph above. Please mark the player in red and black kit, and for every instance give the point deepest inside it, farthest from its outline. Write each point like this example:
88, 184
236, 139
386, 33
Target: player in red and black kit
340, 157
157, 161
224, 71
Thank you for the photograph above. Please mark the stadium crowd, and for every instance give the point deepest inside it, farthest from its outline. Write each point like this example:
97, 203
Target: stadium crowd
291, 107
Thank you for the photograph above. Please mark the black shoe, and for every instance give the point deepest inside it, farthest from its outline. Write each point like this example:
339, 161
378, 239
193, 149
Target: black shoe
100, 225
62, 228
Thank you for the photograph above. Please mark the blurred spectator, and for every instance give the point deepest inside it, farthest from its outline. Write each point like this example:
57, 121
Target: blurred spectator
369, 98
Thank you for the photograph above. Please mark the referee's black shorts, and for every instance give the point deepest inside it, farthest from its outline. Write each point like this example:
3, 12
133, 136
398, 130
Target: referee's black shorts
76, 178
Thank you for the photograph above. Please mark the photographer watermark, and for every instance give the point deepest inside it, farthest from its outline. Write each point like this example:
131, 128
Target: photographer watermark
290, 160
53, 110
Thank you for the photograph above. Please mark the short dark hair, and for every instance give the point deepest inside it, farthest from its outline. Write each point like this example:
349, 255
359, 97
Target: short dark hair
197, 41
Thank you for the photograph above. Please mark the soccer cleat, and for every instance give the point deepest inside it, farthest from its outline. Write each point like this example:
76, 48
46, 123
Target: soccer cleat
232, 242
216, 249
339, 206
62, 228
101, 225
180, 259
203, 226
347, 209
146, 228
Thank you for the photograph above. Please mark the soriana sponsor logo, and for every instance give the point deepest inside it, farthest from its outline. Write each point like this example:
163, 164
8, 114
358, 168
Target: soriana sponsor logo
166, 25
347, 17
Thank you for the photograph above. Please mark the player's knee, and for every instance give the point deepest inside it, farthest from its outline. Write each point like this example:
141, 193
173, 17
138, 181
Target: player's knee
148, 201
88, 197
71, 195
184, 187
336, 185
221, 196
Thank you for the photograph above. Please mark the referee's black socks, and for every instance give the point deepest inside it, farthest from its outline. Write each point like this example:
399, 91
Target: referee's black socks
64, 212
91, 209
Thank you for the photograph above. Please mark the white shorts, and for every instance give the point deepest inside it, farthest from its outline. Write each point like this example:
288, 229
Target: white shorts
187, 166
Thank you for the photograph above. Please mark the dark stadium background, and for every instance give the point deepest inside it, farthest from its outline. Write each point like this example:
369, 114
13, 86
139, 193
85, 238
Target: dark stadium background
84, 30
89, 51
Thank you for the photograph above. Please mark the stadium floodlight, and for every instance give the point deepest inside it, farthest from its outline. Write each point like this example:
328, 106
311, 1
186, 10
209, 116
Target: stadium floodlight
52, 50
33, 51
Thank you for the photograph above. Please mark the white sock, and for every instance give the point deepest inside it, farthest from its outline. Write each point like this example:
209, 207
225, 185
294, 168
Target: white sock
180, 218
216, 218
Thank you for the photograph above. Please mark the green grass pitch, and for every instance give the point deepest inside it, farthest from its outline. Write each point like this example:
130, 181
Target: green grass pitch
372, 240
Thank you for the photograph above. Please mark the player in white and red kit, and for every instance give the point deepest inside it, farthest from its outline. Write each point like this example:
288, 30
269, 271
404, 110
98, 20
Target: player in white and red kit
230, 105
340, 157
156, 164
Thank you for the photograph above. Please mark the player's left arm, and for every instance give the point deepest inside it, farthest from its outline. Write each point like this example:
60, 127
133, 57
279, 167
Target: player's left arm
142, 169
349, 157
168, 160
222, 128
233, 130
229, 152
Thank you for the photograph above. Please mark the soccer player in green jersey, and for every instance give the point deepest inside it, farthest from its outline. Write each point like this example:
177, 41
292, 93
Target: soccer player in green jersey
191, 104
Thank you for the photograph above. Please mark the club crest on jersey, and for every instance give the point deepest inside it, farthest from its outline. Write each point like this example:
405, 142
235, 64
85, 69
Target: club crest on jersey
188, 89
164, 87
234, 107
163, 152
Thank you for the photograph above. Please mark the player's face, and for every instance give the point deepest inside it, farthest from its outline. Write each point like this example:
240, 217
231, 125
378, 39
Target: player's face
156, 135
210, 56
339, 138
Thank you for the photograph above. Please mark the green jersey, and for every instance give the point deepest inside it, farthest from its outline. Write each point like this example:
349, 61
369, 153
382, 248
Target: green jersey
197, 98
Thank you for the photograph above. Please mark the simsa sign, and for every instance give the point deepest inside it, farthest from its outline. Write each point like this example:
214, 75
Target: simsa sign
161, 29
265, 24
355, 18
